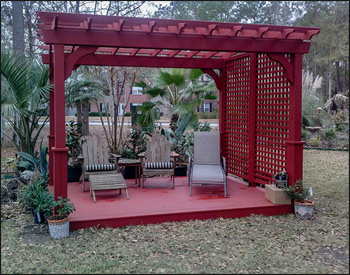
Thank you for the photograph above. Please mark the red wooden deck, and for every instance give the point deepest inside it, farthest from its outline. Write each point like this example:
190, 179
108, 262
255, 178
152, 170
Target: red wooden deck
157, 202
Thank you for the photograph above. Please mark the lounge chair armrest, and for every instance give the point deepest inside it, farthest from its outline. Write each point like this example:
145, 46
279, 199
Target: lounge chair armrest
116, 160
224, 164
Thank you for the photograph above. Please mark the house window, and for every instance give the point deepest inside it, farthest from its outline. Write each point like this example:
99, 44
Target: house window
137, 91
120, 109
207, 107
102, 107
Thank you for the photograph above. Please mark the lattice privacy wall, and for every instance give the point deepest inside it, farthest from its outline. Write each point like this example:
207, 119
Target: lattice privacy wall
236, 116
271, 119
271, 115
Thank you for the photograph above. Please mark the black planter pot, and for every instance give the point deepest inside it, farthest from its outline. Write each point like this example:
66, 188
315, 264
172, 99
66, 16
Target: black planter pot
181, 171
38, 217
74, 173
128, 172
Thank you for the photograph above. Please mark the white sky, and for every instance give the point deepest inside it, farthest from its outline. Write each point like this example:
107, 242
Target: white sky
150, 8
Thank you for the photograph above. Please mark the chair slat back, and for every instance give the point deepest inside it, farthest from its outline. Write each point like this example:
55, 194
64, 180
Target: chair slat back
206, 148
95, 151
158, 149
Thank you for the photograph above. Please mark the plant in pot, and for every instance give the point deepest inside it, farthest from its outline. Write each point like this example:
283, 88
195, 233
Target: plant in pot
59, 221
36, 198
303, 208
73, 142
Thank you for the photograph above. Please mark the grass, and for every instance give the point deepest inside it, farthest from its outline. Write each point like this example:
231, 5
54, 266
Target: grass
256, 244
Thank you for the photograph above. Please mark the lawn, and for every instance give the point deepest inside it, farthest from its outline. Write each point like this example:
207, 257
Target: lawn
257, 244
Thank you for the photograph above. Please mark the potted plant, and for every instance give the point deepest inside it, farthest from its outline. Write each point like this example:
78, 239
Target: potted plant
59, 222
73, 142
303, 208
35, 197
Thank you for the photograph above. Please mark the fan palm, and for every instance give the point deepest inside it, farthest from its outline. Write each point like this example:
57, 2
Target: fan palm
25, 96
177, 89
80, 93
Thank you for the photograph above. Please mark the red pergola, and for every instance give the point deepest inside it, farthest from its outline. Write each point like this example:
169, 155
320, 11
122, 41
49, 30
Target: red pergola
257, 69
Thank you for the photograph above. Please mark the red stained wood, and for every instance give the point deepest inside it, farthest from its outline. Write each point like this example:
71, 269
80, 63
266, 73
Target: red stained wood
158, 203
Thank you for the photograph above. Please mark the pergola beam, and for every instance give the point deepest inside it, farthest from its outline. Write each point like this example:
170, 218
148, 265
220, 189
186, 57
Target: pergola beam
144, 61
170, 41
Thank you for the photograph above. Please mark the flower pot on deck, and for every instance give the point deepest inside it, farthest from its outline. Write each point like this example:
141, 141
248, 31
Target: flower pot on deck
74, 173
128, 172
181, 171
38, 216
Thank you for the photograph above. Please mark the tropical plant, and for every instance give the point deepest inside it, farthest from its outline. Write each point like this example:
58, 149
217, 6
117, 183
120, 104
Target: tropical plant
24, 98
177, 89
183, 140
73, 141
296, 192
41, 165
82, 90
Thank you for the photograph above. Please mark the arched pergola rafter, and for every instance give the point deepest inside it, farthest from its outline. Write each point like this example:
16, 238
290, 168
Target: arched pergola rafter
259, 51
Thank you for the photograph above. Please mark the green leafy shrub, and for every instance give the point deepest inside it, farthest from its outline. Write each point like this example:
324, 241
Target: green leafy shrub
63, 207
329, 133
136, 143
127, 114
315, 142
35, 195
98, 114
296, 192
304, 134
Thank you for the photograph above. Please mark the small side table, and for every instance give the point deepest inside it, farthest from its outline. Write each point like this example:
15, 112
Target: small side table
132, 162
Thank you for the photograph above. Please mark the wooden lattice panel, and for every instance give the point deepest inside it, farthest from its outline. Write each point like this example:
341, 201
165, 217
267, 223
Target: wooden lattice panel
271, 119
236, 116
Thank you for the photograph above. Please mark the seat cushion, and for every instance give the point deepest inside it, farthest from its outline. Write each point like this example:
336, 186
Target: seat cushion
100, 167
159, 165
207, 173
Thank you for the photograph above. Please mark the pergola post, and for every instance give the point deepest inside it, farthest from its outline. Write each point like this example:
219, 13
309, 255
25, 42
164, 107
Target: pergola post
294, 157
222, 105
51, 136
60, 150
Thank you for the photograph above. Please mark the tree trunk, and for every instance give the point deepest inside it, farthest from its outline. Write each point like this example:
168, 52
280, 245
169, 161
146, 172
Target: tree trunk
18, 27
77, 4
339, 87
79, 114
85, 127
314, 59
18, 45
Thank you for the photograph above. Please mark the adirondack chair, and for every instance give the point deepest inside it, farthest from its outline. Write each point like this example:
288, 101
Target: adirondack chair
95, 158
157, 160
207, 168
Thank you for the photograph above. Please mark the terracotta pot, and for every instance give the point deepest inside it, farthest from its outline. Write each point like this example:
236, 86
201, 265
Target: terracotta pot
304, 209
58, 228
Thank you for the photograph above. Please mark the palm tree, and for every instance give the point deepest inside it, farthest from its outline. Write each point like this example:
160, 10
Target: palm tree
177, 89
24, 94
81, 92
